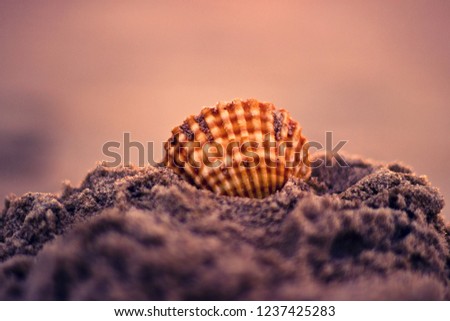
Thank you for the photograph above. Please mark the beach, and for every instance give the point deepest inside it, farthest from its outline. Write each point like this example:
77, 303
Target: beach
369, 231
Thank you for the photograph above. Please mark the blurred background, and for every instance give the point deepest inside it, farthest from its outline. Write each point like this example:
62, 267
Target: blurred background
76, 74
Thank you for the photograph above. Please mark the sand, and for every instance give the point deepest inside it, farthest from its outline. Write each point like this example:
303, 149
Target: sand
367, 232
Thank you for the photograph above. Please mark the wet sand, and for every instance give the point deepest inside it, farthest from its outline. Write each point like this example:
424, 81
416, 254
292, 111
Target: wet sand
367, 232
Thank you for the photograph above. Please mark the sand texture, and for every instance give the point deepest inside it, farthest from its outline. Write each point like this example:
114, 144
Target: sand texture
369, 231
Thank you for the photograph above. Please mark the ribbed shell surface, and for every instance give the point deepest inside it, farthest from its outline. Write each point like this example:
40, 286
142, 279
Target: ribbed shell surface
242, 148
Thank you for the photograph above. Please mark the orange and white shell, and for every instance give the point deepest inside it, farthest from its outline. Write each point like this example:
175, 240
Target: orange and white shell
242, 148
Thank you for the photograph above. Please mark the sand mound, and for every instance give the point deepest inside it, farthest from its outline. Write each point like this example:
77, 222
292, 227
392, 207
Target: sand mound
368, 231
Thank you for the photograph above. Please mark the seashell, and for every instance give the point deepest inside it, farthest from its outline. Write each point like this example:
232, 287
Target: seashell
242, 148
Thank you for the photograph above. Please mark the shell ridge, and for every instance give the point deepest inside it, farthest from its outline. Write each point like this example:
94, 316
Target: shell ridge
251, 171
228, 113
215, 123
199, 136
268, 129
246, 173
259, 137
256, 181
